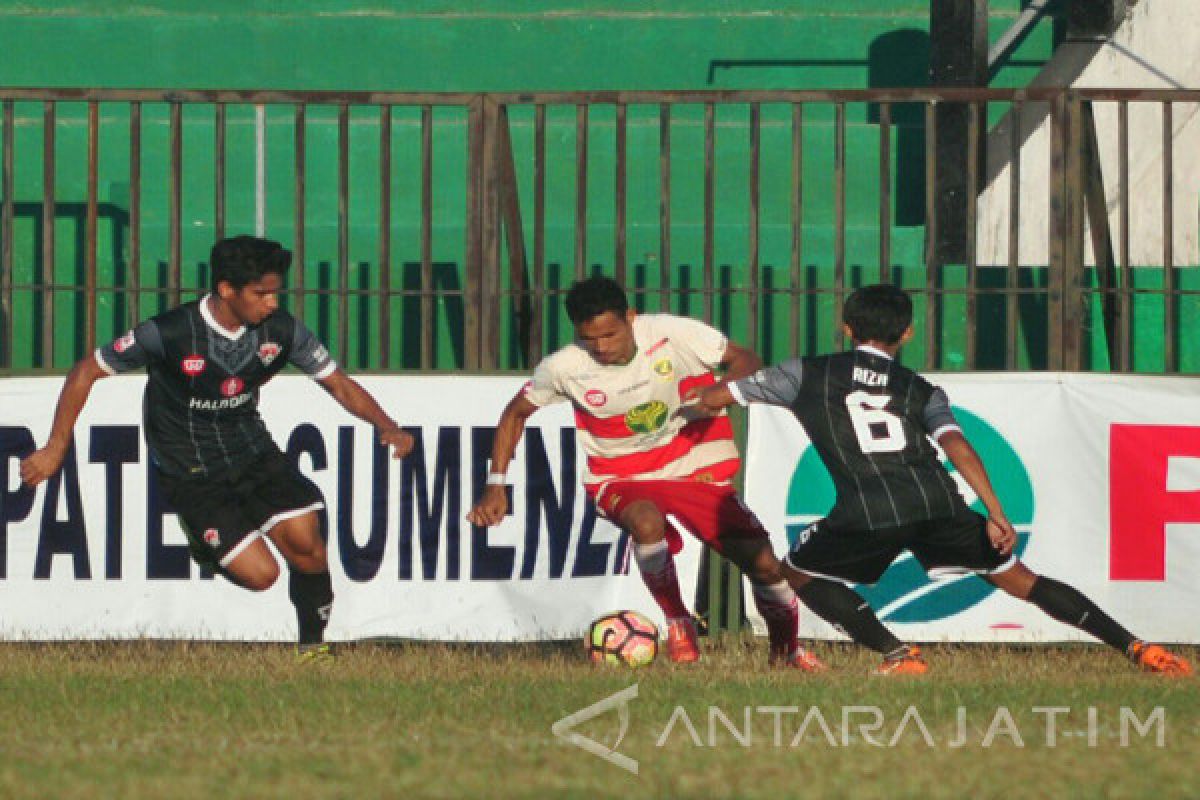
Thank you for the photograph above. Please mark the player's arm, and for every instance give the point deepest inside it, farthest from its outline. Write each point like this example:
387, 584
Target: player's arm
943, 428
351, 396
736, 362
493, 503
777, 385
739, 362
41, 464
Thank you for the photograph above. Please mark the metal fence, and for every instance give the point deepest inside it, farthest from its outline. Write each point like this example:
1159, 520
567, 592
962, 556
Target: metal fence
439, 231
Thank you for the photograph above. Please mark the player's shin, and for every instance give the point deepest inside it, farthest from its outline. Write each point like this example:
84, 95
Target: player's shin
658, 572
777, 605
1069, 605
312, 595
844, 609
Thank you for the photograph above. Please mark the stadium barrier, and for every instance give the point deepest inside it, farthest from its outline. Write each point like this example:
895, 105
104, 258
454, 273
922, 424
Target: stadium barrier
1101, 475
438, 231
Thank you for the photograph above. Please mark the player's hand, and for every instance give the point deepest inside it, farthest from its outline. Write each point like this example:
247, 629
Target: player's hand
1002, 534
399, 440
695, 406
491, 508
41, 464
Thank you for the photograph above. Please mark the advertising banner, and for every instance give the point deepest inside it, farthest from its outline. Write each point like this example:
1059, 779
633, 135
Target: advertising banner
93, 553
1099, 474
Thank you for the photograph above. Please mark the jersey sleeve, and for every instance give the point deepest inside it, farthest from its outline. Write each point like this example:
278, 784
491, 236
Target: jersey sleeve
938, 416
134, 350
309, 355
545, 387
704, 341
778, 385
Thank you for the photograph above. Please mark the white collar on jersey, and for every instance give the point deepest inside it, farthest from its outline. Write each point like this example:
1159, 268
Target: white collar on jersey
866, 348
216, 326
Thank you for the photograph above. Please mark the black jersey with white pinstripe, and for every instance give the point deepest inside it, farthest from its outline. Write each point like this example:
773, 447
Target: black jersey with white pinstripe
870, 420
200, 408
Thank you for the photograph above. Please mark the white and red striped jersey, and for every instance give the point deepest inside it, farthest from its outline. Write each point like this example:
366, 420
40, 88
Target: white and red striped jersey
625, 414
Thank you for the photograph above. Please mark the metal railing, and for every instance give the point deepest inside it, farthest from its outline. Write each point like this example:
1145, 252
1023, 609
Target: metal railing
517, 194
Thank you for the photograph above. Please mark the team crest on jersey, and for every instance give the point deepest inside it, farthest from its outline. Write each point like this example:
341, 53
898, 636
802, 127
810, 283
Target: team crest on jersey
232, 386
124, 343
193, 365
664, 369
268, 352
595, 398
212, 537
647, 417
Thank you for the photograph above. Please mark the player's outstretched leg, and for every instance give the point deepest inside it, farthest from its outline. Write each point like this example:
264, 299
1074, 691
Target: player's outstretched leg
647, 527
309, 585
1068, 605
775, 601
845, 610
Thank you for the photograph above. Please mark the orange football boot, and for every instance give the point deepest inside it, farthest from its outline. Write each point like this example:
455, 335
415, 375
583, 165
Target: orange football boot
1153, 658
683, 646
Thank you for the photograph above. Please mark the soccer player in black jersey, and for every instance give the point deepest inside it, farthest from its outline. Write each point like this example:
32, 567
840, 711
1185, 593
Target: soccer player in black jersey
213, 458
873, 421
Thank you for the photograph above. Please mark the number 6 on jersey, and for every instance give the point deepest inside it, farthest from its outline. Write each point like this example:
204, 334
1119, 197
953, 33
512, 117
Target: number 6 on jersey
878, 430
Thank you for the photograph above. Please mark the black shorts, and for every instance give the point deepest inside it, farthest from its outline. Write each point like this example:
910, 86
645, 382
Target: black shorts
949, 546
223, 515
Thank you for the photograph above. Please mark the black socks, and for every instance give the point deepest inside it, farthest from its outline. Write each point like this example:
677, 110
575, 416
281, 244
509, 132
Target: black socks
312, 595
844, 609
1069, 605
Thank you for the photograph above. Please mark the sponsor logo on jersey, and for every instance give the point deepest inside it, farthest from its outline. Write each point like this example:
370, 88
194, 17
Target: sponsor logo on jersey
268, 352
647, 417
906, 593
595, 398
124, 343
212, 537
224, 404
193, 365
664, 369
232, 385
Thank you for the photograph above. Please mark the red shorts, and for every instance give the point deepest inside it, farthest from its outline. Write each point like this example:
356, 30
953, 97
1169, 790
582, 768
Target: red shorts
713, 513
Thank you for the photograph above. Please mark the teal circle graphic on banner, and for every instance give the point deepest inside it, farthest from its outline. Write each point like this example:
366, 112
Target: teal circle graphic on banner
905, 593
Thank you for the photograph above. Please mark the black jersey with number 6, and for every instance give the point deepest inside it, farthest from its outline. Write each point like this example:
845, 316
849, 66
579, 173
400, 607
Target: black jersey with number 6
870, 420
200, 409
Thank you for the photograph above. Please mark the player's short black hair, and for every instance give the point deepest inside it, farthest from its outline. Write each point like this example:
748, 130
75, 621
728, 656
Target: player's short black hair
878, 313
593, 296
240, 260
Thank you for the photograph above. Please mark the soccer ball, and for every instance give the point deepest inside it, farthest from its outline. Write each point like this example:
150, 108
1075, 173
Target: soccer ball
622, 637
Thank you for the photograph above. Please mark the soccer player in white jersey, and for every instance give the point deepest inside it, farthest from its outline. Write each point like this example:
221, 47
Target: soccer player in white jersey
653, 469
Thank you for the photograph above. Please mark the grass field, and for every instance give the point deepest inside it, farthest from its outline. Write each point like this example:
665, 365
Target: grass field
155, 720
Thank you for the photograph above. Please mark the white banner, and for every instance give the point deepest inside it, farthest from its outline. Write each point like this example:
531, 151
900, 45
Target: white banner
91, 555
1100, 474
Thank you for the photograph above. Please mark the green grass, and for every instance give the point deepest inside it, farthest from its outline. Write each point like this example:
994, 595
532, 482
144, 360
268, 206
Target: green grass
149, 720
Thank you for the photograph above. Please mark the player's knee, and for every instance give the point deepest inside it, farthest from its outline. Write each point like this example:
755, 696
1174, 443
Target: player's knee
795, 578
260, 578
645, 524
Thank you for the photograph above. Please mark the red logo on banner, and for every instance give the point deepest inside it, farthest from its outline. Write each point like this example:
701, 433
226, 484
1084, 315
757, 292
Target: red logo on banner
193, 365
1140, 503
595, 397
231, 386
